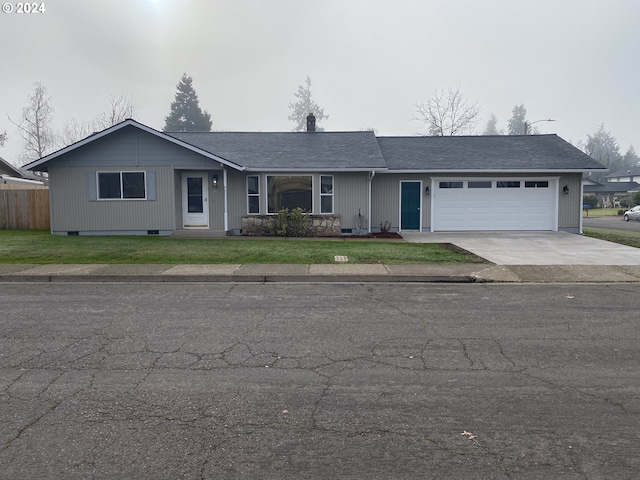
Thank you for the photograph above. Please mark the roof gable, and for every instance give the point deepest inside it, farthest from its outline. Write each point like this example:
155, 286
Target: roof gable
42, 163
484, 153
7, 168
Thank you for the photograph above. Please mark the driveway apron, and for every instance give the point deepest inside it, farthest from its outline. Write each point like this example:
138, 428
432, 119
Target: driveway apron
534, 248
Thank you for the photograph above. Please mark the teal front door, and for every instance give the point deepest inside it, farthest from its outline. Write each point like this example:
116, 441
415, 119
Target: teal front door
410, 205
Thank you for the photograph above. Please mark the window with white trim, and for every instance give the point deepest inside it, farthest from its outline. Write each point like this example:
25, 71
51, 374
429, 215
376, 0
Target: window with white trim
253, 194
326, 193
293, 191
121, 186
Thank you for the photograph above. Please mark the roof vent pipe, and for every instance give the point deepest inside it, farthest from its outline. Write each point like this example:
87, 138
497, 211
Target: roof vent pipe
311, 122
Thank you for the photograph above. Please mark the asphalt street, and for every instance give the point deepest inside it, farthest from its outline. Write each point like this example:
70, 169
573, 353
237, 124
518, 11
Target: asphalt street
316, 381
612, 223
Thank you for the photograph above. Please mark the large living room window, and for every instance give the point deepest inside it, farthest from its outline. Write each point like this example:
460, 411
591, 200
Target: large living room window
121, 185
294, 191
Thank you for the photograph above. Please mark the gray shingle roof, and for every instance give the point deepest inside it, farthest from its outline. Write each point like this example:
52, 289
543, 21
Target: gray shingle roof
625, 172
291, 150
612, 187
490, 153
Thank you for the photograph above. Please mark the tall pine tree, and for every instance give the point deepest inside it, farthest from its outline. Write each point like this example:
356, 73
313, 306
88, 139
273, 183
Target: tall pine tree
186, 115
517, 121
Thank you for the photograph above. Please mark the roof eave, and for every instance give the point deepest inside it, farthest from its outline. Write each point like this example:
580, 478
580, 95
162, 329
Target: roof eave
312, 170
493, 170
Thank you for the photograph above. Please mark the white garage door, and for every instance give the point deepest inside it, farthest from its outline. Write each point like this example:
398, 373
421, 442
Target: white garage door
490, 204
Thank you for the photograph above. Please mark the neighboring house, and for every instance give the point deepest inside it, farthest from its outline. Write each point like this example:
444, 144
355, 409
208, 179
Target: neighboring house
619, 187
625, 176
10, 175
9, 170
132, 179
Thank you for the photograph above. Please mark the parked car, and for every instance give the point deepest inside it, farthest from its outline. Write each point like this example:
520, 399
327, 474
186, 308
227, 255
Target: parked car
633, 214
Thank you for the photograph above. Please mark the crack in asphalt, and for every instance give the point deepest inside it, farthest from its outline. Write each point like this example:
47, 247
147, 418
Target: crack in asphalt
42, 374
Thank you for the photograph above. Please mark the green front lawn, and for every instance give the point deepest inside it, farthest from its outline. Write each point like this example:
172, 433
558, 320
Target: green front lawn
616, 236
37, 247
602, 212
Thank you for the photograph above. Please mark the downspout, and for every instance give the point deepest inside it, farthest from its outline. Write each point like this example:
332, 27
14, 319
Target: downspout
226, 199
581, 201
371, 175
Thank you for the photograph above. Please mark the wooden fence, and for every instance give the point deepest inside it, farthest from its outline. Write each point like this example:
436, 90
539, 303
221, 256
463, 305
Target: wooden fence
24, 208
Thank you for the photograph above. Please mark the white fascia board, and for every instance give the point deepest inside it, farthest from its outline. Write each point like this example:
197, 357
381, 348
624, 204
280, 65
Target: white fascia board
313, 170
471, 172
124, 124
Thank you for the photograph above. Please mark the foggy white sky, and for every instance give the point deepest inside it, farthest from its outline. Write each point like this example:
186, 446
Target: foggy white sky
370, 61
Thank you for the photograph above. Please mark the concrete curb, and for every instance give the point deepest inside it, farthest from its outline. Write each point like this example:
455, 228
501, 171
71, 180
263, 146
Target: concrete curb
469, 273
284, 278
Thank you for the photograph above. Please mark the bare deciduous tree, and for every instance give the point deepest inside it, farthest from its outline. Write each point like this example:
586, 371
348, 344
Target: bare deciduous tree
73, 130
448, 113
119, 109
35, 125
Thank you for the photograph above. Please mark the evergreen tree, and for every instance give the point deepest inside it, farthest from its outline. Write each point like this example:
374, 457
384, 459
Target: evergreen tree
631, 159
492, 126
603, 147
186, 115
303, 106
517, 120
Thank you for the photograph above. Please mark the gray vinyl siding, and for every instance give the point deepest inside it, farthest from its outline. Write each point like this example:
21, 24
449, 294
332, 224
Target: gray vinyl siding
237, 197
72, 208
132, 147
386, 199
129, 149
570, 206
386, 196
351, 193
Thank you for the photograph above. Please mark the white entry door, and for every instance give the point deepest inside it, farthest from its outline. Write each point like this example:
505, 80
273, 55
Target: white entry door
195, 200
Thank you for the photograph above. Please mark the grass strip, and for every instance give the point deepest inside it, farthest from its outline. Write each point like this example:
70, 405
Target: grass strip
37, 247
616, 236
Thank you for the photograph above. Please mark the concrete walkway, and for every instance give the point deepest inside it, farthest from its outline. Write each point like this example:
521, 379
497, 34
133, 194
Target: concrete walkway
467, 273
532, 257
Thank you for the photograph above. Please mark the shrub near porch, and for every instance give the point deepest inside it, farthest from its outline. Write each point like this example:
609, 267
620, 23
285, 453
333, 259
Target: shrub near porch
293, 223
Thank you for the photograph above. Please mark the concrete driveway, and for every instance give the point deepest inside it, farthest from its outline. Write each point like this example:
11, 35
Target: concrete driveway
534, 248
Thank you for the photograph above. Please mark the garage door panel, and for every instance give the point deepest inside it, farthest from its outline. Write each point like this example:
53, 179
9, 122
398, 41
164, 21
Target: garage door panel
493, 208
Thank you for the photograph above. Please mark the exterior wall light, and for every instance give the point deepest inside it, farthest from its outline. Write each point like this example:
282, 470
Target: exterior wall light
565, 189
426, 190
214, 181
